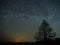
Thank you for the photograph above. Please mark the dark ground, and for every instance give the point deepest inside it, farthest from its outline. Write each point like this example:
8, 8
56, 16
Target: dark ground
55, 42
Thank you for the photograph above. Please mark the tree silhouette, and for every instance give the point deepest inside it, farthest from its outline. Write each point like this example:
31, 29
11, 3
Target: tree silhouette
45, 32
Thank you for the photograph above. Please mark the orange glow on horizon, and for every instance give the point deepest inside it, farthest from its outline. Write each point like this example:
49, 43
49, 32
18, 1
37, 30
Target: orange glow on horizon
17, 39
21, 38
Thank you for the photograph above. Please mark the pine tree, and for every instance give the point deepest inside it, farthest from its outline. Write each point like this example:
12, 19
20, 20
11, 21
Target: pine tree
45, 32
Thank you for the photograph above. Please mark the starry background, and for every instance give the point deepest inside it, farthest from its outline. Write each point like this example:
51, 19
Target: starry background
20, 19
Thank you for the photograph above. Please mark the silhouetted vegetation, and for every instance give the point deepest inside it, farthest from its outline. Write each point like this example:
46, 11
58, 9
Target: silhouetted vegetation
45, 32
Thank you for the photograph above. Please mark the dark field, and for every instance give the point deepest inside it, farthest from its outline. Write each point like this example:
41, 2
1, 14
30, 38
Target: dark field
48, 42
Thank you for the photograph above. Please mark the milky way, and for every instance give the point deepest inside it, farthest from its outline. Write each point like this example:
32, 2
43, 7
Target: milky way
25, 16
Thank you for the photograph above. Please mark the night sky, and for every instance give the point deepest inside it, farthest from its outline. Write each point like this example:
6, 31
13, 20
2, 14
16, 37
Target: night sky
20, 19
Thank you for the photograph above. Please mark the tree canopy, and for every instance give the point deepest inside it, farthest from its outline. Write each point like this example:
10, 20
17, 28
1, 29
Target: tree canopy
45, 32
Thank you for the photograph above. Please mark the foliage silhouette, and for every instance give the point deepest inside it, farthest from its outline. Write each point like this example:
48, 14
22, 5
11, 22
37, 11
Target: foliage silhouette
45, 32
